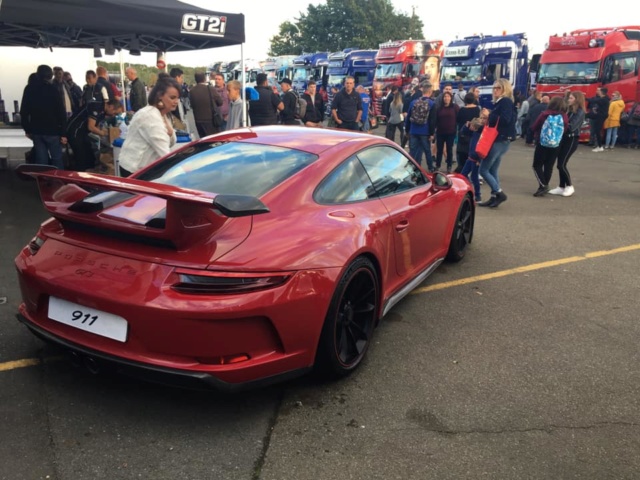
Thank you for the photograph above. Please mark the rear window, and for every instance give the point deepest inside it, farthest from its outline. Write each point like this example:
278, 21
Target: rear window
229, 168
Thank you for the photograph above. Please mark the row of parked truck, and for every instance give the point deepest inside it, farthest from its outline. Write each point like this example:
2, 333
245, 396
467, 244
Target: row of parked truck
582, 60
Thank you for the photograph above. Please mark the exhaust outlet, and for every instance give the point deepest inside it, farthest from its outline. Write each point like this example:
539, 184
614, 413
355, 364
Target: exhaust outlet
92, 365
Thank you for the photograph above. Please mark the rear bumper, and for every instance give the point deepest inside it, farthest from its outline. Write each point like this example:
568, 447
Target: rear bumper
151, 373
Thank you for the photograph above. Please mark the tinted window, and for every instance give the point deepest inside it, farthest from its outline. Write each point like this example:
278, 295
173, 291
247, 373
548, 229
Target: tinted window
390, 171
347, 183
230, 168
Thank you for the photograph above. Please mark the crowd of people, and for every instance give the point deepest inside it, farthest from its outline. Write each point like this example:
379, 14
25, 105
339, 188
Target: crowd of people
56, 112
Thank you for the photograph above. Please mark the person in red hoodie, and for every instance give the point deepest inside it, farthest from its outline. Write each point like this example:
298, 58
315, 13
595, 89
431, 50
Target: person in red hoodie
546, 153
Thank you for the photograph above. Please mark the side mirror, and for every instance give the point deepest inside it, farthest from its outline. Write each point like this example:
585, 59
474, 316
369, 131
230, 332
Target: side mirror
440, 182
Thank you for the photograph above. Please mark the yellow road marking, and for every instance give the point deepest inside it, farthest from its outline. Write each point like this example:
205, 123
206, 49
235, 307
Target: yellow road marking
30, 362
27, 362
525, 268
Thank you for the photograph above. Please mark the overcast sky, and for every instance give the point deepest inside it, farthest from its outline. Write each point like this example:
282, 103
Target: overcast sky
538, 19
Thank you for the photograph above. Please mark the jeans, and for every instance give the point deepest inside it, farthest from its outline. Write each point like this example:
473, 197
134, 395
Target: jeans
471, 167
419, 144
634, 130
543, 160
47, 150
596, 129
490, 165
568, 146
390, 132
441, 141
612, 137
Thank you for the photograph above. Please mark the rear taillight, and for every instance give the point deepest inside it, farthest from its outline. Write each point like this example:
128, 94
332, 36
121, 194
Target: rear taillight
35, 244
226, 283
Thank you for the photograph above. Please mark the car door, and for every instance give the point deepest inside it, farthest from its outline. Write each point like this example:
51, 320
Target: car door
417, 212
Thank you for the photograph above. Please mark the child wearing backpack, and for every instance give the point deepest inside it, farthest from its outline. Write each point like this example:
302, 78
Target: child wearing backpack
548, 130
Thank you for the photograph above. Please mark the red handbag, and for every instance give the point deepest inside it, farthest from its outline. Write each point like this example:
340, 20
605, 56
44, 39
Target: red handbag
487, 137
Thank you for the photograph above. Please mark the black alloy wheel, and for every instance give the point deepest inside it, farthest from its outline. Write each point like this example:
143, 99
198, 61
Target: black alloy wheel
351, 319
462, 231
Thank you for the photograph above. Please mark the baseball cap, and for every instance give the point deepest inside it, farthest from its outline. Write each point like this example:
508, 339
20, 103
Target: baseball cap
285, 80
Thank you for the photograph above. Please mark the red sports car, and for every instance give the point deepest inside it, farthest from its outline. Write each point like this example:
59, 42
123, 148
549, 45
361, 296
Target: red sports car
241, 259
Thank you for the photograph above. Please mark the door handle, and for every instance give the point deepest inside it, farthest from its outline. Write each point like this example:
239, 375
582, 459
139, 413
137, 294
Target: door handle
402, 226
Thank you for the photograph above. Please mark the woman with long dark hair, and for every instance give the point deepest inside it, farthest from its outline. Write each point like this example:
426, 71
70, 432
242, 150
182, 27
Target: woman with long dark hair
151, 134
446, 127
569, 143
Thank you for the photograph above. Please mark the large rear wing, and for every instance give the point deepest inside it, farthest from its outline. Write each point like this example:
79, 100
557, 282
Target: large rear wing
95, 200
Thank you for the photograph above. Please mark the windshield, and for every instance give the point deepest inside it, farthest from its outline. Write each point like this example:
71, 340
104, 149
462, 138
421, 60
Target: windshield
467, 73
229, 168
387, 70
551, 73
336, 80
300, 73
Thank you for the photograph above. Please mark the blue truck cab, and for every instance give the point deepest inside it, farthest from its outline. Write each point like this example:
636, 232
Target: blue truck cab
309, 66
359, 64
479, 60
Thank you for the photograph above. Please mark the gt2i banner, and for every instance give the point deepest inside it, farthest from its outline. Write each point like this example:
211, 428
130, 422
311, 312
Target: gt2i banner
212, 25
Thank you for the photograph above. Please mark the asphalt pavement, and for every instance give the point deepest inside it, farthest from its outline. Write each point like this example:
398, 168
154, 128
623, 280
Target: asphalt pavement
520, 362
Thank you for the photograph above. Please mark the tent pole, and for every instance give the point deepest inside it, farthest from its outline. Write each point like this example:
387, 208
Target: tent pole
122, 77
242, 92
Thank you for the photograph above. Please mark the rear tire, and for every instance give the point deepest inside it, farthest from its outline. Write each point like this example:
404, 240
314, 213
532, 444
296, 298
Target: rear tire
462, 231
351, 319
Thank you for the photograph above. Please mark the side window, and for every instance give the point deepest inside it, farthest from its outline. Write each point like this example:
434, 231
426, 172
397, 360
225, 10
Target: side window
620, 66
360, 77
347, 183
390, 171
411, 72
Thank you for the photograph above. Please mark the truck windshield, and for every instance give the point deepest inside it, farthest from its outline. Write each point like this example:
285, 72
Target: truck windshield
468, 73
300, 73
388, 70
551, 73
336, 80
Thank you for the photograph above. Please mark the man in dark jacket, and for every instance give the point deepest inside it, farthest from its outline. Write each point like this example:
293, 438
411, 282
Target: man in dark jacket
138, 92
263, 111
289, 100
205, 101
76, 91
346, 108
44, 118
534, 113
598, 113
315, 106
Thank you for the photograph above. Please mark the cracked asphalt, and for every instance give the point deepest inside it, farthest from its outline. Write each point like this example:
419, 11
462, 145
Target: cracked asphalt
529, 375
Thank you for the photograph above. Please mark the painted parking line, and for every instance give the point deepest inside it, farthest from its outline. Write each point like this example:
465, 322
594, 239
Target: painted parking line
30, 362
27, 362
524, 269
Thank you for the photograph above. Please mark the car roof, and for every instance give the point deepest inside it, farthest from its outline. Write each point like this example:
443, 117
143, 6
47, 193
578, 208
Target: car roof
311, 140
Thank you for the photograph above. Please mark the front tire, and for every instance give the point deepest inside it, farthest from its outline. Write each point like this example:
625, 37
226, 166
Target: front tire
462, 231
350, 321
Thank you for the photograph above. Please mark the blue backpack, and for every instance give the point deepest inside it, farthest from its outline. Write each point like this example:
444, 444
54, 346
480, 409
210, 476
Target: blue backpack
552, 131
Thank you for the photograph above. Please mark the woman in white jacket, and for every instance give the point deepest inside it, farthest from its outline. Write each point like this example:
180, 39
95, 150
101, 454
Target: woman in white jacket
150, 134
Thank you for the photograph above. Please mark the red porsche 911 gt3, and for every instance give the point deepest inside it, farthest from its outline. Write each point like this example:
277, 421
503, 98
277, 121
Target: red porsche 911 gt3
241, 259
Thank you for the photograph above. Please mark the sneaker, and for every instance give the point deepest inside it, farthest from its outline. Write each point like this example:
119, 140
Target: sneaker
568, 191
542, 191
598, 149
556, 191
500, 197
488, 203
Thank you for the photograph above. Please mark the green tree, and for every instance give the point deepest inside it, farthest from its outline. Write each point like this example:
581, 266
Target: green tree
340, 24
287, 42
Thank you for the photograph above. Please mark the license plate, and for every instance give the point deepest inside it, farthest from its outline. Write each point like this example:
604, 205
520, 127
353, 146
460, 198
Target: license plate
88, 319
